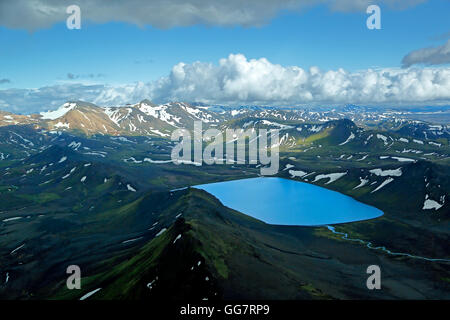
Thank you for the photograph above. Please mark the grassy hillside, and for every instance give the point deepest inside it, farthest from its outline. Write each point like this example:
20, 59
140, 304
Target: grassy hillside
215, 253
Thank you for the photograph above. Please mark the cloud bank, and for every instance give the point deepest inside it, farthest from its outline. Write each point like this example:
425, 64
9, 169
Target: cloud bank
236, 80
37, 14
239, 80
428, 56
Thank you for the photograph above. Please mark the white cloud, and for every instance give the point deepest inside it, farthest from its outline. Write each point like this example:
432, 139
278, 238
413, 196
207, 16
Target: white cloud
35, 14
46, 98
428, 56
236, 80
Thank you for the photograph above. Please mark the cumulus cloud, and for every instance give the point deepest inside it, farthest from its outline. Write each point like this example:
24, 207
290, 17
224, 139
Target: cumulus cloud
236, 80
428, 56
35, 14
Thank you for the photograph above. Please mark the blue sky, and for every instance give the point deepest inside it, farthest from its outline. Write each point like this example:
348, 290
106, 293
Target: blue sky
118, 53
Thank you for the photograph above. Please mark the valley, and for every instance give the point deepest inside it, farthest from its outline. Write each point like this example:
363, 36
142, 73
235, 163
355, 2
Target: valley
96, 187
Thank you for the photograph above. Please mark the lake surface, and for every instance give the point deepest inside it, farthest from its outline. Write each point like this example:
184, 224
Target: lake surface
287, 202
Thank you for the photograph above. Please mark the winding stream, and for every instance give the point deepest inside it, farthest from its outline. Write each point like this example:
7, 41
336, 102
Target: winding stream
370, 246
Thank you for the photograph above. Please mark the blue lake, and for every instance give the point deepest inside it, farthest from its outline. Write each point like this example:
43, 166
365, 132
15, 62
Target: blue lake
287, 202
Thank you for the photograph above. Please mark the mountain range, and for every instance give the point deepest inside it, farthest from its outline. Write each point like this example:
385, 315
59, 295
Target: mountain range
95, 186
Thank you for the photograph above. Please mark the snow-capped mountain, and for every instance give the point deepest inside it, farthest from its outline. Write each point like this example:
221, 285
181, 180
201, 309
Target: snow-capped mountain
148, 119
179, 114
143, 118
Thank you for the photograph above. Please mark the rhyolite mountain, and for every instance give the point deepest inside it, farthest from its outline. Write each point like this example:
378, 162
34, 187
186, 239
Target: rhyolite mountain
147, 118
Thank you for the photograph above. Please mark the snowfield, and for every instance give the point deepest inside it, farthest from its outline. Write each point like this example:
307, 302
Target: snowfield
362, 183
431, 204
130, 188
62, 125
131, 240
363, 158
384, 173
381, 137
87, 295
350, 138
385, 182
17, 249
61, 111
177, 238
403, 159
331, 176
12, 219
276, 124
62, 159
297, 173
160, 232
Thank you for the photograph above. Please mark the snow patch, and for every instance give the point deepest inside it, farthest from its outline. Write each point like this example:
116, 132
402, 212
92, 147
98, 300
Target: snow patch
87, 295
350, 138
62, 125
384, 173
130, 188
403, 159
381, 137
177, 238
331, 176
385, 182
362, 183
12, 219
297, 173
161, 232
61, 111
